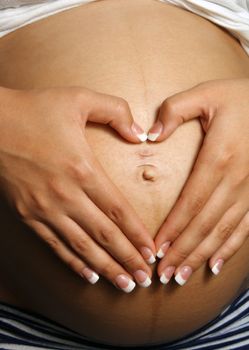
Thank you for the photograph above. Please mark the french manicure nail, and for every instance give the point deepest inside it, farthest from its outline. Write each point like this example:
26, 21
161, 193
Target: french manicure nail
167, 274
138, 131
90, 275
155, 131
164, 247
152, 136
183, 275
142, 278
217, 266
142, 137
148, 255
125, 283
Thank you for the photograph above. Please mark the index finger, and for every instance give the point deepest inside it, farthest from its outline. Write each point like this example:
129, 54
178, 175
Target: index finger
108, 198
196, 192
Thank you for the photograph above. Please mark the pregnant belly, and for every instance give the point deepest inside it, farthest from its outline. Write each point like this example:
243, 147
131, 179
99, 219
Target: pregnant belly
143, 51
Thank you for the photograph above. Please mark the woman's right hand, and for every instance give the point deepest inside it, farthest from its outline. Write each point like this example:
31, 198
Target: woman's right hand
50, 177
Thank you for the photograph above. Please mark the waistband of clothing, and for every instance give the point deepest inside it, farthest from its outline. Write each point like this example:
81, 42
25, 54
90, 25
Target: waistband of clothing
21, 330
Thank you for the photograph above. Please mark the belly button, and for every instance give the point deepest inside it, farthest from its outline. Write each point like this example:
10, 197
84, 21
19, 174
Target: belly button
149, 173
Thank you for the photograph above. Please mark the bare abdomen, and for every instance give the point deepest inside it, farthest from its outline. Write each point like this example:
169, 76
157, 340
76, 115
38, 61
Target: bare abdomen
143, 51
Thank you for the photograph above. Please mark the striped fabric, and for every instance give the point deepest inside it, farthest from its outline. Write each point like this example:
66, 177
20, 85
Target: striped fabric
21, 330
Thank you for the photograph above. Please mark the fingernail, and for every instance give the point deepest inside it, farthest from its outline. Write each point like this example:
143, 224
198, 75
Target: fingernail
142, 278
217, 266
167, 274
183, 275
148, 255
90, 275
155, 131
125, 283
139, 132
152, 136
164, 247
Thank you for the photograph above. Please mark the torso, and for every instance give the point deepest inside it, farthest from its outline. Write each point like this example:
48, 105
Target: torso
143, 51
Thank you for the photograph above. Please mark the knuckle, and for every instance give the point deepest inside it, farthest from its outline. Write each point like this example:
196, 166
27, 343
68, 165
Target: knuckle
81, 245
105, 236
196, 204
178, 253
224, 230
22, 211
222, 159
80, 171
107, 270
130, 260
58, 189
205, 227
53, 243
116, 213
40, 204
168, 107
197, 258
174, 232
122, 105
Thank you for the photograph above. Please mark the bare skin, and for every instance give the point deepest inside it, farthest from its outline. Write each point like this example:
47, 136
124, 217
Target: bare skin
150, 175
210, 220
76, 212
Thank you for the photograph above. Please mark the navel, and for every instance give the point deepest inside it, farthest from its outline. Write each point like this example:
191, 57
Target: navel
149, 173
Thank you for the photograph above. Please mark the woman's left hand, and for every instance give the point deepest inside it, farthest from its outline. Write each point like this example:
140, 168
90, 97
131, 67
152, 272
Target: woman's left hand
210, 220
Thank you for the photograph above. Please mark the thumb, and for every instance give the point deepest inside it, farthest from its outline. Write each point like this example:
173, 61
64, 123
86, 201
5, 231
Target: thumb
178, 109
114, 111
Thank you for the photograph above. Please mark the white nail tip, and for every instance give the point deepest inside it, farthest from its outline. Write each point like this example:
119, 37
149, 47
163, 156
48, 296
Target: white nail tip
146, 283
153, 136
151, 260
215, 269
142, 137
160, 254
179, 279
164, 279
94, 278
130, 287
